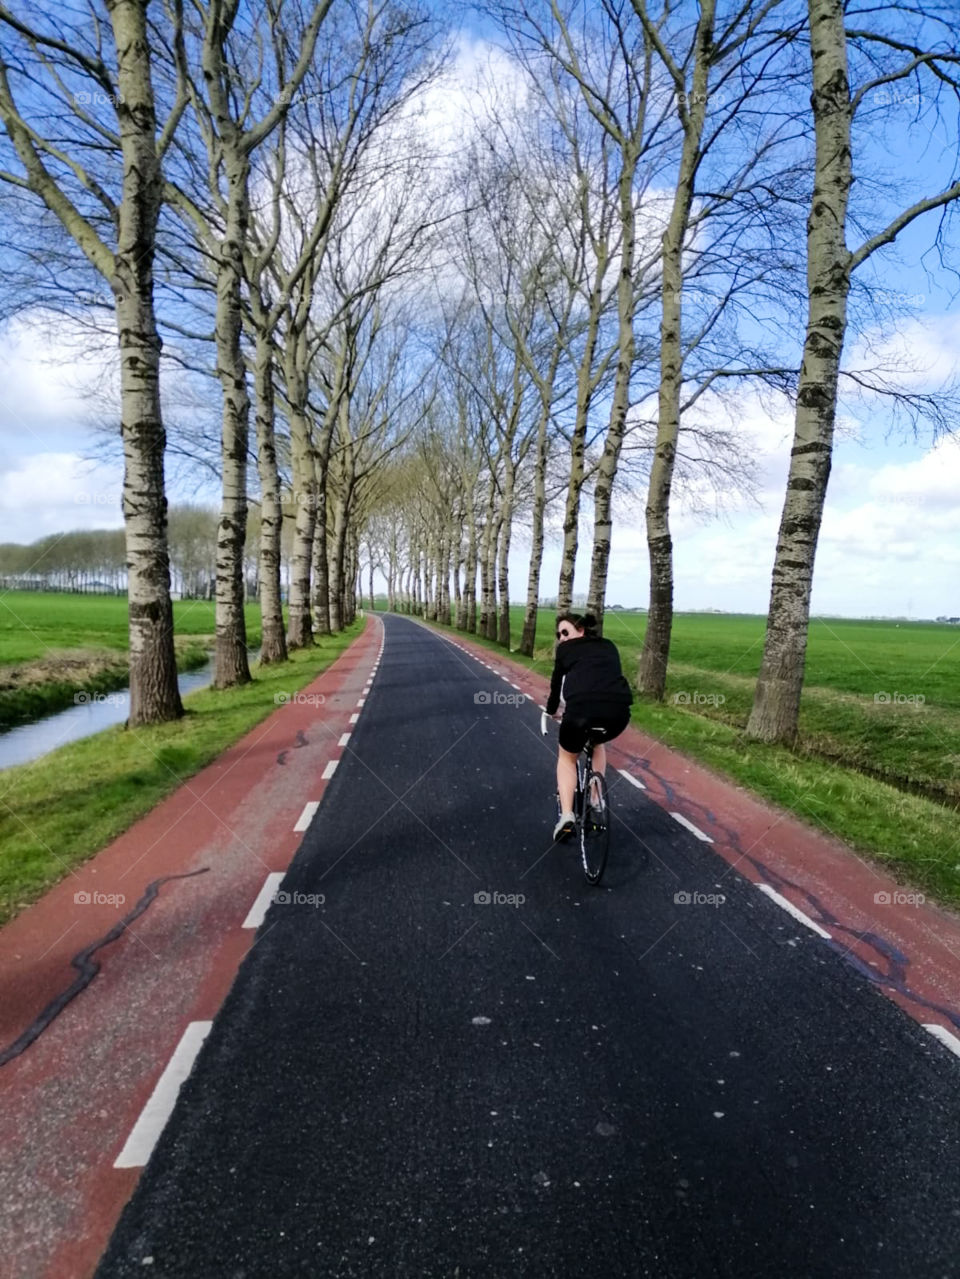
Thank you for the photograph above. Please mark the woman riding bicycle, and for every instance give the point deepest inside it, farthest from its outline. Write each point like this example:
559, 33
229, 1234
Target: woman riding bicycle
586, 672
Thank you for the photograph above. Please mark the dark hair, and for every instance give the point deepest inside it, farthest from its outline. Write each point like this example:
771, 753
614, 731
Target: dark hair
582, 621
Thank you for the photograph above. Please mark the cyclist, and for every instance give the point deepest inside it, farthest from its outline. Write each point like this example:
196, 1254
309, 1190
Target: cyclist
587, 674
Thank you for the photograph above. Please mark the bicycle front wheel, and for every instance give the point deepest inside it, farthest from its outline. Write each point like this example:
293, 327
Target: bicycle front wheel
594, 828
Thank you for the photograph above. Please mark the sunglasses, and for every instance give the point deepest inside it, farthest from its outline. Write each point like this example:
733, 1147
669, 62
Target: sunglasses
561, 635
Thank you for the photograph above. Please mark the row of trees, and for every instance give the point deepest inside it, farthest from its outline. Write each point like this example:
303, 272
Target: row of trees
556, 302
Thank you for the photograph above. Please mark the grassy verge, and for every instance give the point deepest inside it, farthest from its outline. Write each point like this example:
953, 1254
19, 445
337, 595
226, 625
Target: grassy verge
59, 810
912, 835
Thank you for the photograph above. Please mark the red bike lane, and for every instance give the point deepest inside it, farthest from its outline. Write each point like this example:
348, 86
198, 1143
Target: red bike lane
193, 867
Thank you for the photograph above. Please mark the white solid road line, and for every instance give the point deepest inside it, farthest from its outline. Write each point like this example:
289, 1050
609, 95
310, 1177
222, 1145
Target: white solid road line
157, 1111
354, 717
792, 910
944, 1035
694, 830
330, 769
344, 738
634, 781
306, 817
264, 898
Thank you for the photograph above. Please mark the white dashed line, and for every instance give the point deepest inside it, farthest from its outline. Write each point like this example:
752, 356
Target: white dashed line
157, 1111
306, 817
344, 738
354, 717
792, 910
264, 898
634, 781
361, 701
945, 1037
330, 769
694, 830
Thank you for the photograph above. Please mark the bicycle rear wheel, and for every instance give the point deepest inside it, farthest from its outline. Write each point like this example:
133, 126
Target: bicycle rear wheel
594, 827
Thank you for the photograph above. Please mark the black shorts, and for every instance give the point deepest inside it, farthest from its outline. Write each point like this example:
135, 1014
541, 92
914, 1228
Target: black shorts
574, 727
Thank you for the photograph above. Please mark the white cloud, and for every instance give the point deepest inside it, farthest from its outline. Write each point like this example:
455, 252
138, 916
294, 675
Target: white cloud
56, 493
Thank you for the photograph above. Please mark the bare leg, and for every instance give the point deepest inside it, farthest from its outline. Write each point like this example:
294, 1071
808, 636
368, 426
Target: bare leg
566, 778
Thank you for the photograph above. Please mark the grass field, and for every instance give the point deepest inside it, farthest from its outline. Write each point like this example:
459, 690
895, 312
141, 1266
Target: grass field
53, 645
878, 760
61, 809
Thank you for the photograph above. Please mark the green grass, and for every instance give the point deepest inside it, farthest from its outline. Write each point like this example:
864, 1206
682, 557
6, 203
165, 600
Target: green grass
61, 809
34, 622
881, 776
53, 645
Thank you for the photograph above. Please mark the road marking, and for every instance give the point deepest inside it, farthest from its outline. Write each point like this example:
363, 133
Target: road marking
354, 717
792, 910
361, 701
945, 1037
634, 781
345, 737
306, 817
264, 898
694, 830
511, 683
159, 1107
330, 769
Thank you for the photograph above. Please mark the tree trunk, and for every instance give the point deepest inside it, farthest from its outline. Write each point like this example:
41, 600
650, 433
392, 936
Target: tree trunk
231, 639
503, 565
154, 695
528, 637
273, 644
300, 626
470, 571
607, 469
776, 705
656, 640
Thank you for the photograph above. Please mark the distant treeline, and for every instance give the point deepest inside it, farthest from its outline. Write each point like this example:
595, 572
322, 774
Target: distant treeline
93, 561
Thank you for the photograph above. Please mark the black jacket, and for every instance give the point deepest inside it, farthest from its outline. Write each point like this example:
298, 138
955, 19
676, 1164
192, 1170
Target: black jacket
588, 671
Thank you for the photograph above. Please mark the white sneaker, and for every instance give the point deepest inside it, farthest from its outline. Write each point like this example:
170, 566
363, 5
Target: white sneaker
565, 827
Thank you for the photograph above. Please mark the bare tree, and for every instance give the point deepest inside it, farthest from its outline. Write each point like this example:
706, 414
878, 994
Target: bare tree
226, 55
830, 266
112, 217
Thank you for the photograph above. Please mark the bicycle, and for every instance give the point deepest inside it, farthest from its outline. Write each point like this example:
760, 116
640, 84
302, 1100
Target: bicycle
592, 819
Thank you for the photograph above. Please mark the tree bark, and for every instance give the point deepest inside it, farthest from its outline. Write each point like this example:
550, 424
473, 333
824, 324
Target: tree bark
300, 625
607, 468
154, 694
273, 644
776, 706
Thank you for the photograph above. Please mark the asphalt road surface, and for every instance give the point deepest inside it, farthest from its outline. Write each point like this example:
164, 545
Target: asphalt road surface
406, 1080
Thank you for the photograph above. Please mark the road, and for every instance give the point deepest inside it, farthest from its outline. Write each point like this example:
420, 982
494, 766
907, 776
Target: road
409, 1080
